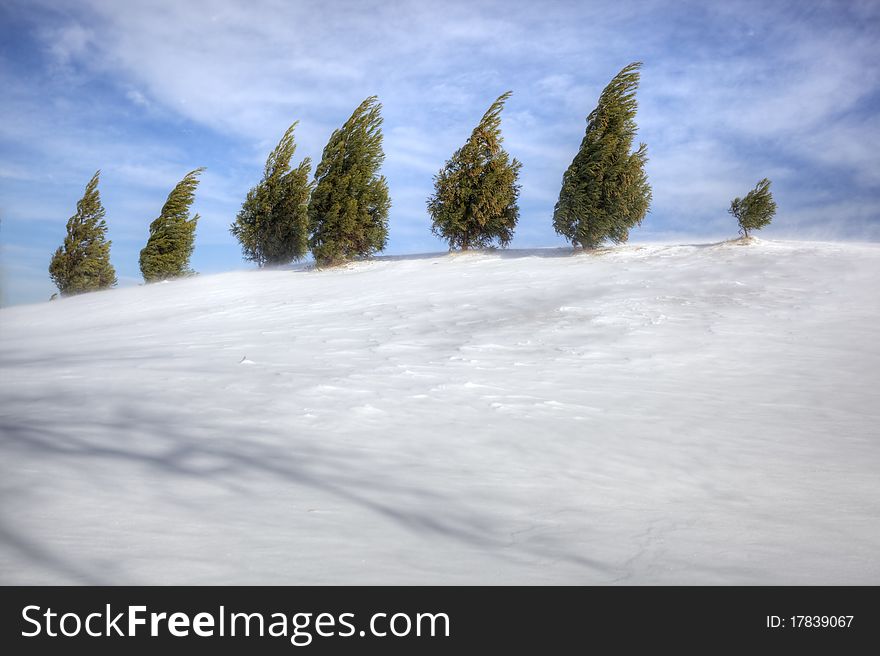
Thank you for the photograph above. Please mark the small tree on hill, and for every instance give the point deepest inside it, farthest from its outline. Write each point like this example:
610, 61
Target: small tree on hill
272, 226
172, 234
755, 210
82, 264
605, 191
475, 193
348, 210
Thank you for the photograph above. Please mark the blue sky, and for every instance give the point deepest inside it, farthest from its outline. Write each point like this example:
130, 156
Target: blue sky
731, 92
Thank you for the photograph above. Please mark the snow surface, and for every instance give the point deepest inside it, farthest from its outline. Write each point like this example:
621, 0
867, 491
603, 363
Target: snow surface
648, 414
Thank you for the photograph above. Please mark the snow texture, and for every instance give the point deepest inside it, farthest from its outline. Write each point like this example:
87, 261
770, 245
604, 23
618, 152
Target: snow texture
692, 414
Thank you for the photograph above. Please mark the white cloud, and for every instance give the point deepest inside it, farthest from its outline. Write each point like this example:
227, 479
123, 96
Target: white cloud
730, 92
137, 97
69, 42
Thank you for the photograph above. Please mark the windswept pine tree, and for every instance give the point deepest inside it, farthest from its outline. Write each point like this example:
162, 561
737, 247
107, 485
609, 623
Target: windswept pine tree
605, 191
755, 210
474, 204
348, 210
82, 264
172, 234
273, 224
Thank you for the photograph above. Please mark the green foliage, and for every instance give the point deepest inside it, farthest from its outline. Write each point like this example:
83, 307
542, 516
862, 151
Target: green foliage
172, 234
82, 264
475, 193
348, 210
755, 210
605, 191
272, 226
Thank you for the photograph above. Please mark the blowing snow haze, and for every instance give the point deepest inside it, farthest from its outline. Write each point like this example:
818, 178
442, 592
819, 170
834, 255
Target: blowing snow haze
146, 91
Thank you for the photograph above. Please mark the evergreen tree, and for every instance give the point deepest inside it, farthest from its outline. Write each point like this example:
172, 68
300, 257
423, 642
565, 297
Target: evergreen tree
348, 210
272, 226
475, 193
82, 264
605, 191
172, 234
755, 210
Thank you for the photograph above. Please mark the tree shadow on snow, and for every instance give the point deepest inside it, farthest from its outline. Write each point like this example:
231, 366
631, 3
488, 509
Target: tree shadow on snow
178, 446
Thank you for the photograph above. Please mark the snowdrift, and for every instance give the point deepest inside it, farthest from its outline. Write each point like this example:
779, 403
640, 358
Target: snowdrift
645, 414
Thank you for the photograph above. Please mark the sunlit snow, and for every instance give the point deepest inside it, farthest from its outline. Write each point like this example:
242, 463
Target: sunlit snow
701, 413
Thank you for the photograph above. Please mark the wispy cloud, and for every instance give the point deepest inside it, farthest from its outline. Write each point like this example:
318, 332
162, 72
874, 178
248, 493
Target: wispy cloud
731, 92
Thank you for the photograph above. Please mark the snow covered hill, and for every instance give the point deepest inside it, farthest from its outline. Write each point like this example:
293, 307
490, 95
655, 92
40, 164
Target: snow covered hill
646, 414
